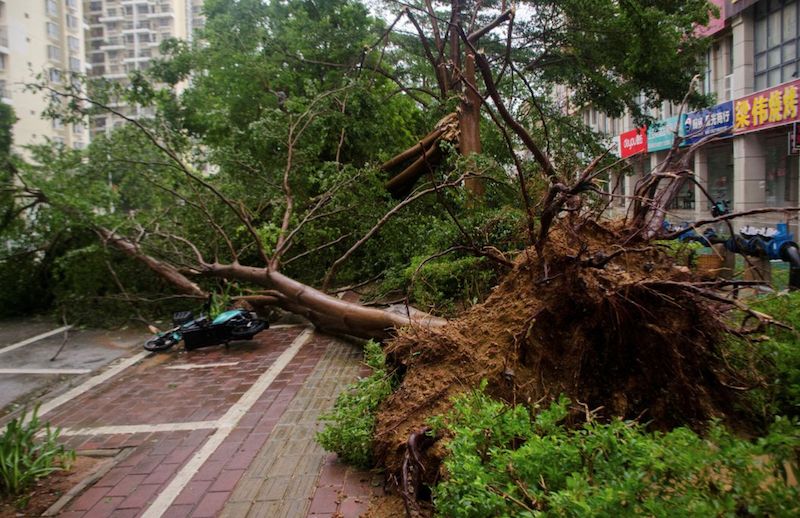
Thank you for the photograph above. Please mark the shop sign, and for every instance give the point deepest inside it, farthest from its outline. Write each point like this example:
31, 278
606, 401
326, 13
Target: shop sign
661, 134
766, 109
633, 142
715, 23
705, 123
794, 140
734, 7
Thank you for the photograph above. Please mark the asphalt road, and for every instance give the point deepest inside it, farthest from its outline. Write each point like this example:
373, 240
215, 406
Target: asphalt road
27, 370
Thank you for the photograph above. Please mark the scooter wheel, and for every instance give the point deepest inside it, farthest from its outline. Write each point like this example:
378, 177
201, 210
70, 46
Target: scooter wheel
160, 343
249, 330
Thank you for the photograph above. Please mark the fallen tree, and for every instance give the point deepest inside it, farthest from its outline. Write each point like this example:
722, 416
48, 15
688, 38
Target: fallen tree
592, 309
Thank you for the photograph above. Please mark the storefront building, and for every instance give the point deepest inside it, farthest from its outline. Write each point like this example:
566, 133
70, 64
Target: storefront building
747, 149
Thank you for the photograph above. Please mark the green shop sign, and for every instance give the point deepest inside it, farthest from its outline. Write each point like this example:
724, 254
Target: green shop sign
661, 134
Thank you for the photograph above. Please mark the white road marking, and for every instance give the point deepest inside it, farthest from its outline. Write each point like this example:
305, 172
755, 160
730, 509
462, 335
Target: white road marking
92, 382
34, 339
287, 326
226, 425
137, 428
190, 366
45, 371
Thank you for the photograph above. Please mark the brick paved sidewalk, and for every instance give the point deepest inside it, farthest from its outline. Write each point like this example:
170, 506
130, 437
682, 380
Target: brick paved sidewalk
220, 432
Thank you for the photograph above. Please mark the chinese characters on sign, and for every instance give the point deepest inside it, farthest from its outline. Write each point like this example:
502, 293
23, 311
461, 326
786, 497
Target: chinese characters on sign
773, 107
633, 142
713, 121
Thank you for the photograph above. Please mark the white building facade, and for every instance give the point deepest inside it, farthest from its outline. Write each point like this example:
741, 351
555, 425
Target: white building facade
124, 36
40, 37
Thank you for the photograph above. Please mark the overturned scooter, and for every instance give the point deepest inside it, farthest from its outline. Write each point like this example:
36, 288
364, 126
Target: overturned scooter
197, 332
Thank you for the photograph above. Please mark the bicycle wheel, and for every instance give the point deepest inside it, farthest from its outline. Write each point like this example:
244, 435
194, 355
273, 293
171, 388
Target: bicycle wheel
160, 343
248, 330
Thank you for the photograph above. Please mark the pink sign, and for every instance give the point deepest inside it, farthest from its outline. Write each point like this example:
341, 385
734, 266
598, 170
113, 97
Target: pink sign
715, 23
633, 142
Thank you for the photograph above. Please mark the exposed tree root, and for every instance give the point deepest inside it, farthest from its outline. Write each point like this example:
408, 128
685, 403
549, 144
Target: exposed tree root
622, 330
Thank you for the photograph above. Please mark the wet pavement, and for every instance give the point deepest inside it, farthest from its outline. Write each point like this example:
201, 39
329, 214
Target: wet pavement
27, 349
212, 432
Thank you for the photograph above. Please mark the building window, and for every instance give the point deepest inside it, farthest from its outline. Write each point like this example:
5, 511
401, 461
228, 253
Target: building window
51, 7
112, 13
3, 89
776, 42
55, 76
52, 30
72, 22
75, 64
74, 43
53, 53
72, 4
2, 62
708, 87
95, 6
57, 124
77, 129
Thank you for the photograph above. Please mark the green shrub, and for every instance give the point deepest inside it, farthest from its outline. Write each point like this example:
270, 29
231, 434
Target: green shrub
782, 350
442, 282
349, 434
506, 461
24, 458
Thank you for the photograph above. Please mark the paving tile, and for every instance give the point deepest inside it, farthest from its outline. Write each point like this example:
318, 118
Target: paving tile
264, 509
325, 500
353, 507
274, 488
177, 511
89, 499
141, 497
193, 493
237, 510
211, 505
301, 487
127, 485
104, 507
113, 477
227, 480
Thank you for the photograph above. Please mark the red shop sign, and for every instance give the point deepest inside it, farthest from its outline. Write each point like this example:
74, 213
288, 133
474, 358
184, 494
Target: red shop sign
633, 142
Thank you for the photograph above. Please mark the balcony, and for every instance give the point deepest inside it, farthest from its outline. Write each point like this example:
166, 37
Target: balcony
112, 45
115, 18
138, 59
167, 14
140, 27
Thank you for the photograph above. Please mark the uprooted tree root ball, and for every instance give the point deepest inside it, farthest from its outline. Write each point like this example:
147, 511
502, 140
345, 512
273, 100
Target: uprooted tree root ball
604, 325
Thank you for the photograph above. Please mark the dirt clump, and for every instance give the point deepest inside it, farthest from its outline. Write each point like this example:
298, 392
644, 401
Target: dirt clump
607, 325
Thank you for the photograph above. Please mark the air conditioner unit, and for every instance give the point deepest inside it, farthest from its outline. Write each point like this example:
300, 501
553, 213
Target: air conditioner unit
727, 87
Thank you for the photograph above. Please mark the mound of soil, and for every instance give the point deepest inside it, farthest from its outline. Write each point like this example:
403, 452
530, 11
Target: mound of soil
607, 326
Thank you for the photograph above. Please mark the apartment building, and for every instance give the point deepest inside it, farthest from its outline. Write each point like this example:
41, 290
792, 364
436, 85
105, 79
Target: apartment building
40, 37
124, 36
753, 68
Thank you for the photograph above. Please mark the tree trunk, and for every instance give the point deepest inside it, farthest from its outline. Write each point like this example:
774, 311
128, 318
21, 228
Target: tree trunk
469, 117
324, 311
